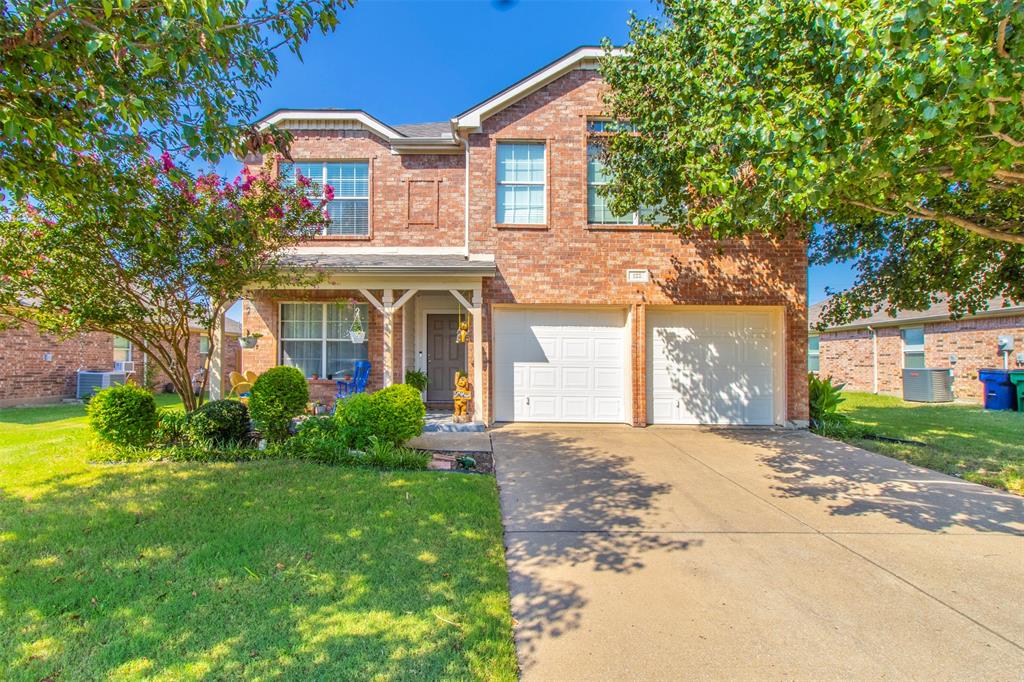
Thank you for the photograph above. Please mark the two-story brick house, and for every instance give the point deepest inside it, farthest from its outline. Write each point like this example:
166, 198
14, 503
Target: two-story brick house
493, 218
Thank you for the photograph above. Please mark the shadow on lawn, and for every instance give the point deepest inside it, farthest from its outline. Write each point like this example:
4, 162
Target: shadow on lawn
854, 482
267, 569
550, 484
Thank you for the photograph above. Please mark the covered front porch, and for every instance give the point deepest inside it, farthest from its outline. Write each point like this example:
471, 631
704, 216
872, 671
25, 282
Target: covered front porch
408, 307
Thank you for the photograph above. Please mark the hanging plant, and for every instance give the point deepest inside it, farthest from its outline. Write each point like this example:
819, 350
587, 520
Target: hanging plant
356, 332
249, 339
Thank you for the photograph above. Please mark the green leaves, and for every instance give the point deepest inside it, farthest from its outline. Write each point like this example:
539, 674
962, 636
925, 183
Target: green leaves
847, 116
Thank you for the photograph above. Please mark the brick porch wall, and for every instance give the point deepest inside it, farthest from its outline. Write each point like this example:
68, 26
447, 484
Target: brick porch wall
260, 314
846, 355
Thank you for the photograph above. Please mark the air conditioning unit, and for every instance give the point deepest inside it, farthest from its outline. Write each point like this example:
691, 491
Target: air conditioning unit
89, 382
124, 366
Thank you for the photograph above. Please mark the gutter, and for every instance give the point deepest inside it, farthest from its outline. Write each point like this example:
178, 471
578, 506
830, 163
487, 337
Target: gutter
465, 145
874, 359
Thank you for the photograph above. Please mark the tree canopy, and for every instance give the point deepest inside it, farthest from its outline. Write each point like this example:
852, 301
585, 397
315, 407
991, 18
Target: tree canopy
161, 253
103, 76
896, 127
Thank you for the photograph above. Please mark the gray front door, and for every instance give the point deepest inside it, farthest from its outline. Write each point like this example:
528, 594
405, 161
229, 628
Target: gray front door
445, 357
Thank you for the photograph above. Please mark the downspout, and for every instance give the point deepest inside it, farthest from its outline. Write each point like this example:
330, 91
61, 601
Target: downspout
874, 359
465, 191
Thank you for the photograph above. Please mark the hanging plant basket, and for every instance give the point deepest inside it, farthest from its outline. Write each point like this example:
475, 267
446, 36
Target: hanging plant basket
249, 340
356, 332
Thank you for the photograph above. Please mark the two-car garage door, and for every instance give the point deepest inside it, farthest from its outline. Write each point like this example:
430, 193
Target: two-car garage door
704, 365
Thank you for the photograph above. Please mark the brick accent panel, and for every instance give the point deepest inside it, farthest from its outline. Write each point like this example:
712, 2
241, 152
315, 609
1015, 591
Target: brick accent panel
261, 314
846, 356
639, 364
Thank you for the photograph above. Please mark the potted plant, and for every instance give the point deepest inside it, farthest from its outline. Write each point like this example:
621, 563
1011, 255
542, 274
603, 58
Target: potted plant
249, 339
356, 332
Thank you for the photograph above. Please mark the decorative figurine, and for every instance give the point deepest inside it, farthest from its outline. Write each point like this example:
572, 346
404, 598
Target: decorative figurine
463, 331
462, 395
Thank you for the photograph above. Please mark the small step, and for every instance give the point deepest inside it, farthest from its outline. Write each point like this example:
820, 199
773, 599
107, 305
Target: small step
451, 427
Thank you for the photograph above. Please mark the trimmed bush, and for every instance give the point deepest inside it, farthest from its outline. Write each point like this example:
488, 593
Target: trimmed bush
123, 415
358, 417
318, 439
171, 427
400, 413
278, 395
219, 422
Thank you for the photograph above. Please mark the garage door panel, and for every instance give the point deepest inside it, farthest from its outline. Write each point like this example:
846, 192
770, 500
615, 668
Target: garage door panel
710, 367
579, 374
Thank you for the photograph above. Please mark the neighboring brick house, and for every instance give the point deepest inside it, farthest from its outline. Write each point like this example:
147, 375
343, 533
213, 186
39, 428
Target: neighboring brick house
870, 354
36, 368
493, 218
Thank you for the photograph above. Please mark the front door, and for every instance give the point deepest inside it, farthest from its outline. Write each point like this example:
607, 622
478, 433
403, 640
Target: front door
445, 357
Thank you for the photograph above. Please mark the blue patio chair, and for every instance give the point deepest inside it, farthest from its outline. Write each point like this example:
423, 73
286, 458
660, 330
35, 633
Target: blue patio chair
357, 384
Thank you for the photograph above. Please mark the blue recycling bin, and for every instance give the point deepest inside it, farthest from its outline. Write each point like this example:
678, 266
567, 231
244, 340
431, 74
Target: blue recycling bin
1000, 393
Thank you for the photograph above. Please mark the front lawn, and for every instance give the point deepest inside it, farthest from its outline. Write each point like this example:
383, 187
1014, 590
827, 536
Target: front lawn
977, 445
271, 569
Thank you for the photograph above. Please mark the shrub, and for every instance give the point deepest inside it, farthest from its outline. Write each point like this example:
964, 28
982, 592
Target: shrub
385, 455
278, 395
170, 427
123, 415
357, 416
825, 398
219, 422
400, 413
318, 439
416, 379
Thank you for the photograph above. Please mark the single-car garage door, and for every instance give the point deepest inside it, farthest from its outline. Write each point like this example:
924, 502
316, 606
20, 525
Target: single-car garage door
711, 366
560, 365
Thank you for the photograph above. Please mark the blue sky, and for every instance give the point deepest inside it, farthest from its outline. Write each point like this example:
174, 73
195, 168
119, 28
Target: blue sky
415, 61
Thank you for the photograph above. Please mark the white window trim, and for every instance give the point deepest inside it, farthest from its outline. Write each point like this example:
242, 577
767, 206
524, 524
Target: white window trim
532, 183
907, 348
323, 334
635, 214
814, 353
338, 196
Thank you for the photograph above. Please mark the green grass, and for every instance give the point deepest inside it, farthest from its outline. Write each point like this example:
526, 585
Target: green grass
978, 445
260, 570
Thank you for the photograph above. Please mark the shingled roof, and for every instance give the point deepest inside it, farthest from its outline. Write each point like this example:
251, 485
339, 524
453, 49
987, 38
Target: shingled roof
937, 312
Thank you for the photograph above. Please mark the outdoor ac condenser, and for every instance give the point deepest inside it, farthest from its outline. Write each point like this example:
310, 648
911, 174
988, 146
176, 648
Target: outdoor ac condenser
89, 382
928, 385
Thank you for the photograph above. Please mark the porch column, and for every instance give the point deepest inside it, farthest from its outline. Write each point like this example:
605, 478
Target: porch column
388, 303
216, 382
478, 354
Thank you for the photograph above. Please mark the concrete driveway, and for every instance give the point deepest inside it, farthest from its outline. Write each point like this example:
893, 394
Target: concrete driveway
672, 553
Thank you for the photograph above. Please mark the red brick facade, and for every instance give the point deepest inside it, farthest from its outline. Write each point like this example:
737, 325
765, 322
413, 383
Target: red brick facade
564, 262
38, 369
847, 356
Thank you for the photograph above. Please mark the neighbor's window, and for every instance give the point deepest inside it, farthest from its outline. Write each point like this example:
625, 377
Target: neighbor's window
315, 337
204, 345
521, 184
913, 347
122, 350
813, 353
349, 210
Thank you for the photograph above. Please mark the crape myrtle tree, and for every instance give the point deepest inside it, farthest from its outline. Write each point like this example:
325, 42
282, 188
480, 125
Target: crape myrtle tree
163, 251
895, 127
98, 76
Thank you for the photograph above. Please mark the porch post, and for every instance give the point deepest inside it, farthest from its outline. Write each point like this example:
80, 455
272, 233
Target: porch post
388, 303
216, 383
478, 354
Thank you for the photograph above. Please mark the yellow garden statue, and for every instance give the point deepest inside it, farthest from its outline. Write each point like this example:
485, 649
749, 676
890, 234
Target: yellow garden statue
462, 396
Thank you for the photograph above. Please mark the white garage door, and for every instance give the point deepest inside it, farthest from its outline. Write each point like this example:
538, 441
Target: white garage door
710, 367
564, 365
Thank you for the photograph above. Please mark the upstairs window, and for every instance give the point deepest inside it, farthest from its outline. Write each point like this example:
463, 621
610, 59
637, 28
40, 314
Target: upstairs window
913, 347
204, 345
603, 126
813, 353
349, 210
521, 180
598, 210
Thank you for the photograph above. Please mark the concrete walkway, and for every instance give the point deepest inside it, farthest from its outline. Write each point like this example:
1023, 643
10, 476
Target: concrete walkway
682, 553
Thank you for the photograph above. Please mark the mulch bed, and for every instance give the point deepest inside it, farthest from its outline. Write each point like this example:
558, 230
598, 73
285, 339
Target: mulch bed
447, 461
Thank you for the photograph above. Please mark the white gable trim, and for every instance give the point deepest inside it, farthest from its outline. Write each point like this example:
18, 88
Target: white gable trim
303, 118
584, 57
